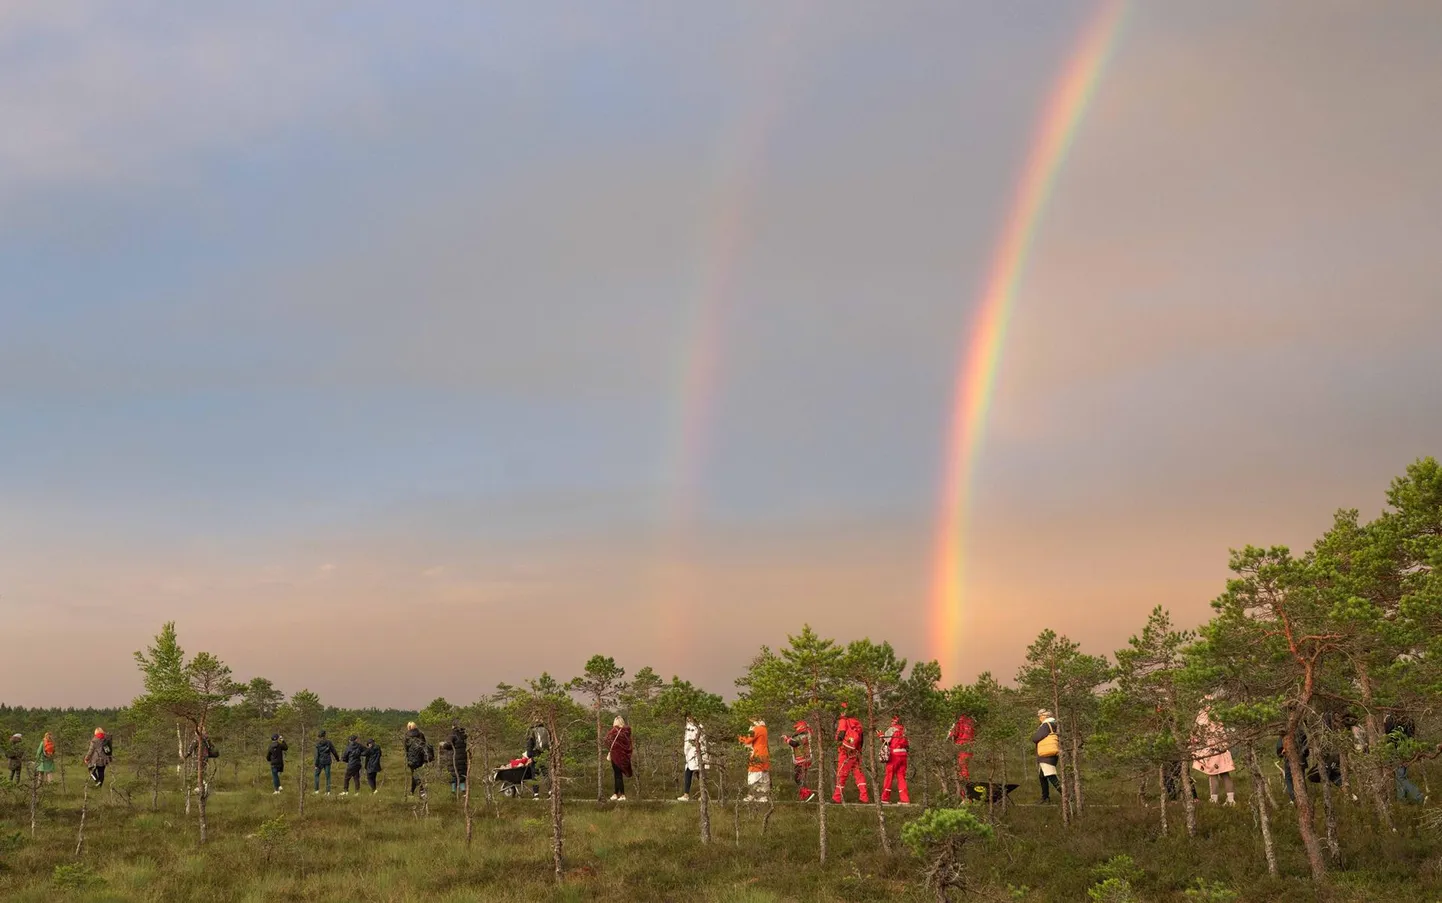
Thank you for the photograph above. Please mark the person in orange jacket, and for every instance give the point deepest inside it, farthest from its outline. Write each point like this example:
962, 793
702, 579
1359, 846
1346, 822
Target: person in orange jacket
894, 749
758, 770
849, 738
962, 733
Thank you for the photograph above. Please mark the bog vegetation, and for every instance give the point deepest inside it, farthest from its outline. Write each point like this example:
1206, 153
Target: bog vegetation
1318, 676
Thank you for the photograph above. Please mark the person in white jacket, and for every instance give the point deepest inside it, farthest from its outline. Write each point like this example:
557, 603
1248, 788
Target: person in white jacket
693, 748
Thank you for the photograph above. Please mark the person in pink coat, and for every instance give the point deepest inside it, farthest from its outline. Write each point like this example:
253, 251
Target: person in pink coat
1213, 756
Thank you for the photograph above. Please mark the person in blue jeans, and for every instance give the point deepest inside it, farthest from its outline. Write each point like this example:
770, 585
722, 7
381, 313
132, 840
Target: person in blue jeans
1399, 728
276, 757
325, 754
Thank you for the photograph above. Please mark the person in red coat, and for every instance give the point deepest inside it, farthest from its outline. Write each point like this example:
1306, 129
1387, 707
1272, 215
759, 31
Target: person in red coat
618, 753
962, 733
800, 743
894, 749
849, 737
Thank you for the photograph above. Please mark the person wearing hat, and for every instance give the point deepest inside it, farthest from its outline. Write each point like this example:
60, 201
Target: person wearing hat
849, 737
325, 753
275, 755
98, 756
1048, 753
894, 747
693, 751
352, 757
800, 743
16, 757
371, 756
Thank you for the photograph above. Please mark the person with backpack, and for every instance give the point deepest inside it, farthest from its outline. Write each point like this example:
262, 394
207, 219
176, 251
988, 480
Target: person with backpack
538, 741
371, 758
894, 752
758, 765
202, 745
693, 751
352, 757
961, 734
618, 753
275, 755
45, 759
98, 756
418, 753
1048, 753
325, 754
456, 758
16, 757
849, 739
801, 756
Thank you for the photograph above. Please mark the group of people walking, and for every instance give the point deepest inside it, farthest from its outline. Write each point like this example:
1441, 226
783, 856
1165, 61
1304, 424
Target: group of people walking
358, 757
98, 756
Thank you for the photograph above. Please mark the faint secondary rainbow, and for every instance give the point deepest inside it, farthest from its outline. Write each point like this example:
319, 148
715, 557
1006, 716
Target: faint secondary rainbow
976, 375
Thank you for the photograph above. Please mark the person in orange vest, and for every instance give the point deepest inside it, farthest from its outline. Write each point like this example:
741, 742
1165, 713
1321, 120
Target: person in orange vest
800, 743
894, 747
758, 770
849, 737
962, 733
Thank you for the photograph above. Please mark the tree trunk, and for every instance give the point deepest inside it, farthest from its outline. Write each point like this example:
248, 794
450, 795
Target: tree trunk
300, 779
558, 861
35, 777
701, 749
1329, 808
155, 785
1305, 813
1189, 802
200, 782
467, 797
1061, 763
818, 745
869, 762
600, 757
1263, 822
1379, 781
84, 806
1162, 791
1076, 769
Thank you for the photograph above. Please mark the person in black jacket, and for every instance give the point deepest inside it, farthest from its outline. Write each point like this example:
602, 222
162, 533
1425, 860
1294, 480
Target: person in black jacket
371, 757
455, 758
16, 757
325, 753
352, 757
276, 757
416, 755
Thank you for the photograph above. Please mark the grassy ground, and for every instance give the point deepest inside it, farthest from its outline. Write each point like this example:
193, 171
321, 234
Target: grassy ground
376, 848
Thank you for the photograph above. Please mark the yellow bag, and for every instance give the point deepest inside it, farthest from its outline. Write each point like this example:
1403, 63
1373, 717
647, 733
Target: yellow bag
1050, 745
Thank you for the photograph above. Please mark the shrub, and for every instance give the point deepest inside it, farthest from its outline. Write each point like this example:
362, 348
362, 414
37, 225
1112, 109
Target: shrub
1210, 892
76, 876
938, 838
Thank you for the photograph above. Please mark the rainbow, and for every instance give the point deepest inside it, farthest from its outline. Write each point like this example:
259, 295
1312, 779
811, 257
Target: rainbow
976, 375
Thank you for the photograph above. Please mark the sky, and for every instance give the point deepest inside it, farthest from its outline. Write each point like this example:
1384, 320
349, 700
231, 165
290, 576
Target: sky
395, 350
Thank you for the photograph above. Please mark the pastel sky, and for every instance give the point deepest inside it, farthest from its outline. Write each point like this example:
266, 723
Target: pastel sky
395, 350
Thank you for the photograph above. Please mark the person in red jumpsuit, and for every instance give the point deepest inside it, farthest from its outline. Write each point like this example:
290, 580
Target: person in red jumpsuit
849, 737
962, 733
800, 743
894, 753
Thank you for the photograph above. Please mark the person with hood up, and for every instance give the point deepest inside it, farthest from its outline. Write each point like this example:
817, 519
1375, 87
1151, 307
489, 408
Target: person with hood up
618, 753
98, 756
325, 754
849, 738
1213, 757
800, 743
371, 757
758, 767
275, 755
352, 757
694, 752
45, 758
417, 750
962, 733
1048, 753
456, 761
894, 751
15, 757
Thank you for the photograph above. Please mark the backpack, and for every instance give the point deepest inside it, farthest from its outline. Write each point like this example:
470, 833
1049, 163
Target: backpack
210, 751
106, 748
543, 738
1050, 745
